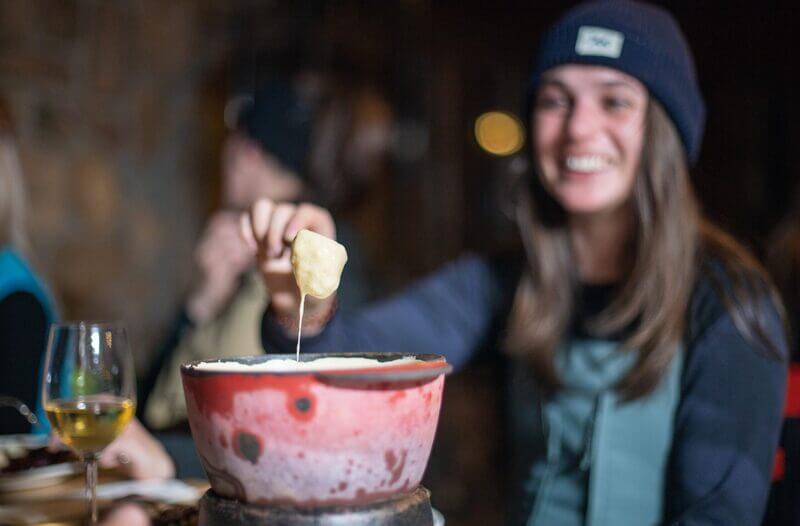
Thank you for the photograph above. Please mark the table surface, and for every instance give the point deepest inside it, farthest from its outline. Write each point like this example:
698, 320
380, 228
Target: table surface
58, 505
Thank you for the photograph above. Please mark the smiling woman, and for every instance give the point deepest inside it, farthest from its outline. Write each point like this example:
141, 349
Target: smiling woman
649, 356
631, 214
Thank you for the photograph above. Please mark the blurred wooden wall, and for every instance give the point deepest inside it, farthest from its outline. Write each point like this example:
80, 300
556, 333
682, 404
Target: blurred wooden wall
112, 123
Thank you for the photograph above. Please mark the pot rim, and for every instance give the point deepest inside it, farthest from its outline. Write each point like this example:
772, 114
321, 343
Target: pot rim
433, 366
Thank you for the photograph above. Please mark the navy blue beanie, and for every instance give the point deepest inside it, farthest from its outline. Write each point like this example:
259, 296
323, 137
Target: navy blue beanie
280, 121
641, 40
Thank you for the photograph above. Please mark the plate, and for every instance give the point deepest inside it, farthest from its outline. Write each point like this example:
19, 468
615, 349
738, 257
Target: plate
39, 477
28, 441
34, 478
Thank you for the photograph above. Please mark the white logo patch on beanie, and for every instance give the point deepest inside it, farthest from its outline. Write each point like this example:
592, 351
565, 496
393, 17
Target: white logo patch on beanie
599, 41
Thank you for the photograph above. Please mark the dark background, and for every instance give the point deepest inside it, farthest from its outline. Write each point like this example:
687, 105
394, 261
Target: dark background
119, 113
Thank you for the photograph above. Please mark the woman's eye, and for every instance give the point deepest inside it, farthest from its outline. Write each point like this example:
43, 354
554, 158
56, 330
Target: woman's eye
616, 103
551, 102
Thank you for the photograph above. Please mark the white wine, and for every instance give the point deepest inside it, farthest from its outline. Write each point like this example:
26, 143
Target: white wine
90, 423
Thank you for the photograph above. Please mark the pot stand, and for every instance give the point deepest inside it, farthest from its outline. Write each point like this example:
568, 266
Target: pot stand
411, 509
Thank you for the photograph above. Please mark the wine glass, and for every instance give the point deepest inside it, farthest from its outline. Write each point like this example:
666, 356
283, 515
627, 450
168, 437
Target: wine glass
88, 390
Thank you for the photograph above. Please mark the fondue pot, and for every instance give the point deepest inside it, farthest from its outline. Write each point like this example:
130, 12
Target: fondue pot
315, 438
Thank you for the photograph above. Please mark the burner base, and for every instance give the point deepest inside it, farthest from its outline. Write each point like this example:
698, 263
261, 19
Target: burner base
411, 509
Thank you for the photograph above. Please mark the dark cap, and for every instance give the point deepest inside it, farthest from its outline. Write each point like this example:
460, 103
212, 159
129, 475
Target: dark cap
280, 121
639, 39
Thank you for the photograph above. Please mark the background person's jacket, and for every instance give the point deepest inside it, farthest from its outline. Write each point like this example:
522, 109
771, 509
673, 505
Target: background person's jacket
26, 312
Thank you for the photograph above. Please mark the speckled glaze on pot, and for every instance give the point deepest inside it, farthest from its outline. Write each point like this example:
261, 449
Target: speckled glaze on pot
312, 439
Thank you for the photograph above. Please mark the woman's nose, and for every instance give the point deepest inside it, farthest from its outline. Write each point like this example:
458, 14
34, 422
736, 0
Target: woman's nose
583, 120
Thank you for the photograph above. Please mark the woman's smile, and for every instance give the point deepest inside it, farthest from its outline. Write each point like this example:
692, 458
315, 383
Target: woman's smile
586, 164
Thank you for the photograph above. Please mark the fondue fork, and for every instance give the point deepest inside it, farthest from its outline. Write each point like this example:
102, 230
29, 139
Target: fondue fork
19, 405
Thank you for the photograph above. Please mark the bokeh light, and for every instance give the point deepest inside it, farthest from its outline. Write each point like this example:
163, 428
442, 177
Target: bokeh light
499, 133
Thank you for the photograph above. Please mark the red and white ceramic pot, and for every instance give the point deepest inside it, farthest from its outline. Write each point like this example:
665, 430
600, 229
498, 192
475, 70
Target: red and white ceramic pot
311, 439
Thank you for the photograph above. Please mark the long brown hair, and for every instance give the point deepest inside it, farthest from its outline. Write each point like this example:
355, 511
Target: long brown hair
783, 263
12, 189
670, 241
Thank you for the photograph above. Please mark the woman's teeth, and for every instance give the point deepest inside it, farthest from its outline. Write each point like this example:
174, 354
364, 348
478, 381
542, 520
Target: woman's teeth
586, 163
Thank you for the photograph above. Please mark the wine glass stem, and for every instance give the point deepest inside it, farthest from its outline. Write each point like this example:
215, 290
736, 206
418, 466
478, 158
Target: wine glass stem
91, 487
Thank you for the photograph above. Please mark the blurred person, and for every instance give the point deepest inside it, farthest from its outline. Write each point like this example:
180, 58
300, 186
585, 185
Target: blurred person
26, 306
647, 346
304, 137
783, 262
26, 311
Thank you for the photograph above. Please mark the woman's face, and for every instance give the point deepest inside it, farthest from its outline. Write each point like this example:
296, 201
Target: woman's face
249, 174
588, 131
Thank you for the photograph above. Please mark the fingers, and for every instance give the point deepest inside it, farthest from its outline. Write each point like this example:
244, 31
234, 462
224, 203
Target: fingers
280, 218
310, 217
246, 231
265, 225
138, 454
254, 224
54, 443
281, 266
127, 514
259, 218
113, 456
108, 460
121, 451
269, 226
